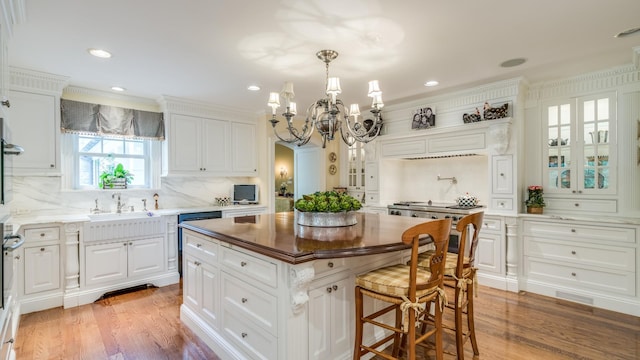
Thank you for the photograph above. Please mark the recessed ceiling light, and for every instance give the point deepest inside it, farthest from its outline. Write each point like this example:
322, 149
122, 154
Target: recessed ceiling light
431, 83
117, 88
513, 62
628, 32
253, 88
100, 53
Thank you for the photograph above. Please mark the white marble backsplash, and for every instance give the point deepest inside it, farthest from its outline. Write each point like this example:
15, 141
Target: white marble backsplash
38, 195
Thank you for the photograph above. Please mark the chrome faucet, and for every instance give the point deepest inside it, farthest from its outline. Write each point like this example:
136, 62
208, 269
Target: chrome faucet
120, 204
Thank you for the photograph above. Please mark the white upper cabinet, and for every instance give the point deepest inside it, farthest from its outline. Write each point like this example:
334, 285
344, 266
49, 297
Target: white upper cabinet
579, 156
34, 126
211, 147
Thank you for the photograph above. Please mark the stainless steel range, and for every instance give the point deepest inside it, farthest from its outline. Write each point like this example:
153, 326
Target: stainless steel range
432, 210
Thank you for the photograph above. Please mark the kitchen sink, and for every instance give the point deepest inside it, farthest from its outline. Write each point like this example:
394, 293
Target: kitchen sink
121, 216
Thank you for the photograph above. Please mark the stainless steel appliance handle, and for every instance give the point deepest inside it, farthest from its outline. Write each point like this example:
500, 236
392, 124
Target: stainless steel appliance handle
16, 244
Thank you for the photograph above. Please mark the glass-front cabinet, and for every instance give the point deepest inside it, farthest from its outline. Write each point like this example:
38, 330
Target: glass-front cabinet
356, 174
579, 156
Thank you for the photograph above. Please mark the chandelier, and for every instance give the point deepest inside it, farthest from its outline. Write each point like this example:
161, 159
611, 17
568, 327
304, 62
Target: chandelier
328, 114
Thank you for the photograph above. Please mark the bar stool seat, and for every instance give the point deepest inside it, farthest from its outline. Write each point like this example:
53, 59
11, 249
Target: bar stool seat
409, 291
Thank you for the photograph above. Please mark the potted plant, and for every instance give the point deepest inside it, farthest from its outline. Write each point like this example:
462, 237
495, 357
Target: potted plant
327, 209
535, 202
115, 177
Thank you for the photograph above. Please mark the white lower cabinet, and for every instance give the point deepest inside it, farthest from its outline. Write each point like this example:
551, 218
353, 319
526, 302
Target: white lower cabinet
123, 259
490, 258
594, 265
331, 301
41, 268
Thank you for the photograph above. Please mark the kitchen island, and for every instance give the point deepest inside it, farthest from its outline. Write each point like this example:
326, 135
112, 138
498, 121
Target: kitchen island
263, 287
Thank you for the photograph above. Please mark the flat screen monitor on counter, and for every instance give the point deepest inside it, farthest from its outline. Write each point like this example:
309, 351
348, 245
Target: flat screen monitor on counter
245, 194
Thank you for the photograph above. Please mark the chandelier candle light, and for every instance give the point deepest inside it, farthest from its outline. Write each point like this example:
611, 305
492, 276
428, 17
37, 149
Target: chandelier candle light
328, 115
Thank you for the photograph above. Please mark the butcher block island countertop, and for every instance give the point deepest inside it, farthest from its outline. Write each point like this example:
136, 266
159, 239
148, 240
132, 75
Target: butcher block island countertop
263, 287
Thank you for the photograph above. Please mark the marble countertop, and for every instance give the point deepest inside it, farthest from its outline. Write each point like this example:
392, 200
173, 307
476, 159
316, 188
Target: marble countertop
19, 220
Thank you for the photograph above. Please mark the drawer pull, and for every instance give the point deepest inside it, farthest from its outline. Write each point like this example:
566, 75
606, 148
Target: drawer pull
330, 264
244, 335
197, 263
41, 249
576, 204
243, 264
573, 274
244, 300
573, 230
41, 234
573, 252
198, 245
125, 244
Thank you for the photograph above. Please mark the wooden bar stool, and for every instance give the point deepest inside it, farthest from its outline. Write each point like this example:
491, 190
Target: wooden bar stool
460, 274
409, 289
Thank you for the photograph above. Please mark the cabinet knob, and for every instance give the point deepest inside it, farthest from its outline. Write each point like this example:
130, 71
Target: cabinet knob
197, 263
125, 244
576, 204
198, 245
244, 335
335, 287
41, 234
579, 191
330, 264
244, 300
573, 191
243, 264
573, 230
130, 243
6, 103
502, 174
329, 290
205, 169
51, 165
41, 249
573, 252
573, 274
17, 257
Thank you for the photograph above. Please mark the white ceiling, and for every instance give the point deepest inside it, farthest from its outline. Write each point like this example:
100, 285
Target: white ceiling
211, 50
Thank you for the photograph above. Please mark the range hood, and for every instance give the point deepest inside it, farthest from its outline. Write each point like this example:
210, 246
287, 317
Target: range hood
481, 138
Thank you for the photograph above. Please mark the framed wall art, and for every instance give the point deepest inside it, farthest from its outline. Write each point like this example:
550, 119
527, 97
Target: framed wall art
423, 118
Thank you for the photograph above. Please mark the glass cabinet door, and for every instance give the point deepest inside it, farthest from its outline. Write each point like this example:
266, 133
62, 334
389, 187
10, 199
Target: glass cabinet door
580, 150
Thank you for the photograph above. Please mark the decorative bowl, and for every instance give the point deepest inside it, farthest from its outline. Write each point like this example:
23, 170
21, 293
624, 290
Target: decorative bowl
325, 219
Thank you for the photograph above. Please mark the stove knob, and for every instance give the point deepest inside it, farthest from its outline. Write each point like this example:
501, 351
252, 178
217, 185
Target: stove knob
434, 217
414, 215
454, 218
447, 216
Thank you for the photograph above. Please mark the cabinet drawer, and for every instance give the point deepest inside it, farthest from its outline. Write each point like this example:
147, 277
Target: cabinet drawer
42, 234
207, 250
491, 225
257, 305
255, 342
260, 270
607, 206
611, 257
327, 265
569, 231
606, 281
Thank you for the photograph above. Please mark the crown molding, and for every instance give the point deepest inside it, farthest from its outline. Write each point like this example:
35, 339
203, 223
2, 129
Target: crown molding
30, 80
77, 93
171, 104
586, 83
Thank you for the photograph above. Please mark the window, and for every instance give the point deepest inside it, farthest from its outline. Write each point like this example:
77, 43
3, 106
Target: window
93, 153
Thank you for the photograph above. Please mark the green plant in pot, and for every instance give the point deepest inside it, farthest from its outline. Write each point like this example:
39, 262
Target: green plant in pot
111, 175
535, 202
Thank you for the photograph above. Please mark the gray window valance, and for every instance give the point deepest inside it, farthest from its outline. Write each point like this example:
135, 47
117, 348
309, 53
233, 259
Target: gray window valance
95, 119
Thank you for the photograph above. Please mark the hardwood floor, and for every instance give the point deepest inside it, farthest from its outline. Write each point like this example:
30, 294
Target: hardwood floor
146, 325
140, 325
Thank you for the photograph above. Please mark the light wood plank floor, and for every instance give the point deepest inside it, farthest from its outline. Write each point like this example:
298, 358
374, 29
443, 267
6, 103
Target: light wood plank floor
146, 325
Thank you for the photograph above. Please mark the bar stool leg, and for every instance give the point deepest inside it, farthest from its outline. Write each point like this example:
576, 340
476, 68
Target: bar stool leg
470, 321
358, 338
458, 323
